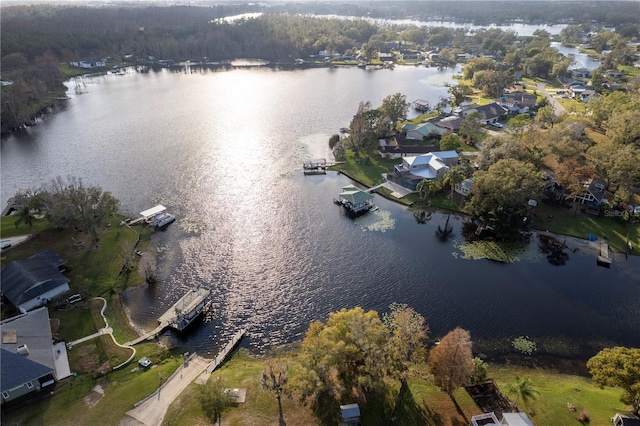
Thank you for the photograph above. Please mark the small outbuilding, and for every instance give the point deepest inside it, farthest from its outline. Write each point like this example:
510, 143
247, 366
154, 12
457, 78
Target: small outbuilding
350, 415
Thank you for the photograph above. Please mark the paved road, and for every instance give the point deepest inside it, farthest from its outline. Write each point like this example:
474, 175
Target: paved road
152, 411
557, 107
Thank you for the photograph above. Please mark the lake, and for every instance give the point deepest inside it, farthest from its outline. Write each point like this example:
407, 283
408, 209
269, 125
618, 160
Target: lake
223, 150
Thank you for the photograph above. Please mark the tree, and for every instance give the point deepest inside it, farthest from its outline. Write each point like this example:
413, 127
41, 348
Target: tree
460, 93
360, 130
344, 358
480, 371
71, 204
618, 366
24, 215
614, 162
408, 331
395, 107
275, 378
451, 361
425, 186
523, 388
450, 142
470, 128
545, 115
454, 176
214, 400
502, 192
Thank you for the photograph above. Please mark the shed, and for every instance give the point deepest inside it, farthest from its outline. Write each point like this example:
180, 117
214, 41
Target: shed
350, 415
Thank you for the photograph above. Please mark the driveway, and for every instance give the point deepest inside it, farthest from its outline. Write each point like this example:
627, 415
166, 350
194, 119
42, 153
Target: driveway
152, 411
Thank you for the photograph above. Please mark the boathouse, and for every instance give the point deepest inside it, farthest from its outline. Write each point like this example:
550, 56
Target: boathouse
355, 201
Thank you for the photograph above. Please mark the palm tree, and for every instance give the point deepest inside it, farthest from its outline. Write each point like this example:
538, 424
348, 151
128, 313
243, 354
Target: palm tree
454, 176
24, 215
523, 388
426, 186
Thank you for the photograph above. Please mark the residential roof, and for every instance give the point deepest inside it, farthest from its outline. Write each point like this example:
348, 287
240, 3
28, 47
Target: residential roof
452, 122
521, 98
490, 111
33, 330
25, 280
516, 419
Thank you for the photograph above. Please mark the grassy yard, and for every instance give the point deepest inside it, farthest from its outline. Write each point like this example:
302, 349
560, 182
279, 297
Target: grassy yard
421, 403
8, 227
580, 226
366, 168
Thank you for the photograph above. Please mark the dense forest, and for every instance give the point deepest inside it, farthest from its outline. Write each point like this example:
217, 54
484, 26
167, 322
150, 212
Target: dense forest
36, 39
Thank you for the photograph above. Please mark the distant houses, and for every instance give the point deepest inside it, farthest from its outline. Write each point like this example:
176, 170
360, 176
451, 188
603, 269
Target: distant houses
89, 64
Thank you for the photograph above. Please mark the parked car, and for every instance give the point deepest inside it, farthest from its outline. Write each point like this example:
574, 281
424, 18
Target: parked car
497, 125
144, 362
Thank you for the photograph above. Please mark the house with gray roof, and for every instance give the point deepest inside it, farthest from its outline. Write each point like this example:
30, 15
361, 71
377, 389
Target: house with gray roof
30, 361
33, 282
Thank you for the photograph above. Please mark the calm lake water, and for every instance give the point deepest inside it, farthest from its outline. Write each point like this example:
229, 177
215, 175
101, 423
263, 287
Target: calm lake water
223, 151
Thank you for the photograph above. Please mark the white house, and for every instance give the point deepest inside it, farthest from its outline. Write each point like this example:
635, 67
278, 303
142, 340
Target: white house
414, 169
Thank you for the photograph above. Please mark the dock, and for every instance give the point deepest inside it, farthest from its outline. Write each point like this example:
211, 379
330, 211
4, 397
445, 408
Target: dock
603, 256
316, 166
179, 315
226, 351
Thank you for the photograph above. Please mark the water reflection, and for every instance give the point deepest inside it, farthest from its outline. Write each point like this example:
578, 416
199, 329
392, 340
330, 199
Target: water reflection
223, 151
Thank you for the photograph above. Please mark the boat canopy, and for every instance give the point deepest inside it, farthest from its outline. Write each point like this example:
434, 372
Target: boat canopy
354, 195
153, 211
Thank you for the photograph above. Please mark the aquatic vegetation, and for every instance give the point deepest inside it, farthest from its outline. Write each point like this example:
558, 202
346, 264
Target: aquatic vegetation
377, 221
506, 252
524, 345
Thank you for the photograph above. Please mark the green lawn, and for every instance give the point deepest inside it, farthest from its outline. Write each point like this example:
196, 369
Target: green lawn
366, 168
580, 226
9, 229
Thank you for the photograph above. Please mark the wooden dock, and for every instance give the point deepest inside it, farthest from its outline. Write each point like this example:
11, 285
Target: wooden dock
226, 351
178, 316
603, 256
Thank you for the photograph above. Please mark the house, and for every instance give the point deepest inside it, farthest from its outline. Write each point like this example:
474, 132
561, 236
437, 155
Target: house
464, 188
350, 415
581, 73
519, 102
31, 362
612, 73
625, 420
489, 113
383, 56
593, 194
409, 54
88, 64
420, 131
33, 282
451, 123
390, 148
413, 170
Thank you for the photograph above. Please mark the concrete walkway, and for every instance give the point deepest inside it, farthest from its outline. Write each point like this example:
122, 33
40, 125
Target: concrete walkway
151, 411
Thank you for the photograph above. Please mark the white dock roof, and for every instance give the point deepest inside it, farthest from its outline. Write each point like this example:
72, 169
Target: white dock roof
153, 211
